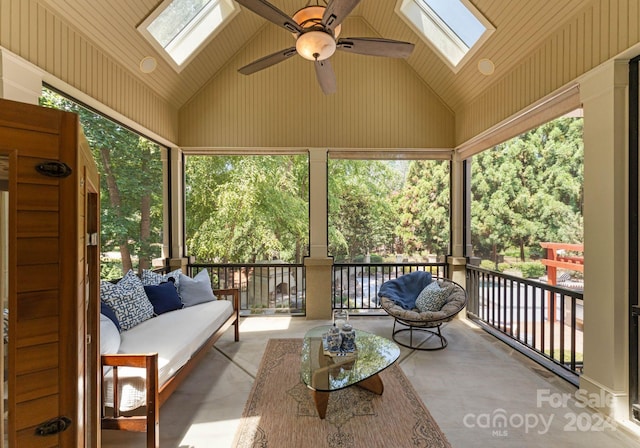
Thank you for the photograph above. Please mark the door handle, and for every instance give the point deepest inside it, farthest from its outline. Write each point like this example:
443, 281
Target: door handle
53, 426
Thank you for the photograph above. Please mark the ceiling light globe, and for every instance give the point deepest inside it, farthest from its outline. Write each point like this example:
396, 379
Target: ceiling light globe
316, 45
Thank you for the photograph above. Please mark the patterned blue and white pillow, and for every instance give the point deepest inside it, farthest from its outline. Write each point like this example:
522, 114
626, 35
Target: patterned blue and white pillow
150, 278
432, 298
128, 300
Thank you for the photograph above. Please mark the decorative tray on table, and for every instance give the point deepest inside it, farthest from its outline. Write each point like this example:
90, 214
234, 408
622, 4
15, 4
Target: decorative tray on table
337, 354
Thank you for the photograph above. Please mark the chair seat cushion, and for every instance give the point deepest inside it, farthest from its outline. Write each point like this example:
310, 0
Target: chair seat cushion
455, 302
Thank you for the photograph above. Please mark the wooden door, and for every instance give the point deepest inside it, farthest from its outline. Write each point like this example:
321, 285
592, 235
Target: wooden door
47, 349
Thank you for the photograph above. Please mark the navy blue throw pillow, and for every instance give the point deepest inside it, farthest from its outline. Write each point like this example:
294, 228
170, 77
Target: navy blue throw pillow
107, 311
163, 297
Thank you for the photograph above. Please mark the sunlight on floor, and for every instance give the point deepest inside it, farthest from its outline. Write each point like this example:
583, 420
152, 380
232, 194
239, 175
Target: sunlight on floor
201, 434
255, 324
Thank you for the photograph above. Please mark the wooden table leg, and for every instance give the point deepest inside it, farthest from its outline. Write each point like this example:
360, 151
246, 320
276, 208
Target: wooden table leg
373, 384
322, 400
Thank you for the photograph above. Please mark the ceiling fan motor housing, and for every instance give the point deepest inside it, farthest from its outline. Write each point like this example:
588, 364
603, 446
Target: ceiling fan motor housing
318, 43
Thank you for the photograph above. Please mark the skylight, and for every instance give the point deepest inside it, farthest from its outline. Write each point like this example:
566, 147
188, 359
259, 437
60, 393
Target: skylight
454, 28
179, 29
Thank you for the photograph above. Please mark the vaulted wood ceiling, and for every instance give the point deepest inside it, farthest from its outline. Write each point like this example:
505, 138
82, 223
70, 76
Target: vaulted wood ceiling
520, 27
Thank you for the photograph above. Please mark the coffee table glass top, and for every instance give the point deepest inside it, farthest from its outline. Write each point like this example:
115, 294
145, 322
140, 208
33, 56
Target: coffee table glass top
325, 373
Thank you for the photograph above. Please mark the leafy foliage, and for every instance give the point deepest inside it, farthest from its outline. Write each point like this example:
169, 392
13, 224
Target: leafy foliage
529, 190
361, 207
247, 208
130, 169
423, 208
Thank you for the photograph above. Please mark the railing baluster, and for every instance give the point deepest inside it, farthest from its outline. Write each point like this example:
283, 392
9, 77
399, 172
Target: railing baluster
562, 301
491, 301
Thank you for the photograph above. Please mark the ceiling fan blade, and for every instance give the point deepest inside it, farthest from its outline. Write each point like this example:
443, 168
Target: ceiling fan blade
336, 12
326, 77
268, 61
376, 47
272, 14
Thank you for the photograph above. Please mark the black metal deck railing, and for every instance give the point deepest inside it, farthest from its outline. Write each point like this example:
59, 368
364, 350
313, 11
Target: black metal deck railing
265, 288
542, 321
355, 285
280, 288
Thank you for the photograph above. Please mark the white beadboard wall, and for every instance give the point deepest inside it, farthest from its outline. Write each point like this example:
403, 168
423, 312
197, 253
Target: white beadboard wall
594, 35
35, 34
380, 103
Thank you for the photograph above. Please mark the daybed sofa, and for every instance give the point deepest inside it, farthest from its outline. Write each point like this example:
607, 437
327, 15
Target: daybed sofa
145, 359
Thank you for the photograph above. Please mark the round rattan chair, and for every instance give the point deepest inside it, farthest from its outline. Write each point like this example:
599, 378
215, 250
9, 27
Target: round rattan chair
429, 321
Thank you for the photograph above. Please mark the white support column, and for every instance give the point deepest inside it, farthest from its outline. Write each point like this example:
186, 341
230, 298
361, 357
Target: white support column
19, 80
178, 251
457, 261
603, 93
318, 264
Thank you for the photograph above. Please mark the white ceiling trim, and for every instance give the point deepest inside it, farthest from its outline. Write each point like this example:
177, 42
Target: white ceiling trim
552, 106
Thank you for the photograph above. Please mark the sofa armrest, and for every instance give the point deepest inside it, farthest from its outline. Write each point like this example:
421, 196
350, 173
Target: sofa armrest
234, 293
150, 424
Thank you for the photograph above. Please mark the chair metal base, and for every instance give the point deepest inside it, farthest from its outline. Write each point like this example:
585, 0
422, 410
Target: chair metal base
410, 329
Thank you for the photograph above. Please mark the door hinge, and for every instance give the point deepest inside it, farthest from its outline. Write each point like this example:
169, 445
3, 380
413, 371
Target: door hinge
92, 239
53, 426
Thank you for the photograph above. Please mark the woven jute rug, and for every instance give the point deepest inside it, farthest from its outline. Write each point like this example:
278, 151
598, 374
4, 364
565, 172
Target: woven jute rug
280, 412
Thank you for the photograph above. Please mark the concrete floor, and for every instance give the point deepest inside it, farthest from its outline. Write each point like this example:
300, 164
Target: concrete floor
475, 379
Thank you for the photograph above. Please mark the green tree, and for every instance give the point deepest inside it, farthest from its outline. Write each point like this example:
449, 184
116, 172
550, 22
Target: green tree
361, 212
423, 208
130, 184
529, 190
243, 209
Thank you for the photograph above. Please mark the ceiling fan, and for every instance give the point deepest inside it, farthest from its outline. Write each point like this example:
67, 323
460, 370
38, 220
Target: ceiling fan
316, 29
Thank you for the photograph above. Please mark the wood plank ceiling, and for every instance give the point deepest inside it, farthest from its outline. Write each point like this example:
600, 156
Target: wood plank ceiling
520, 27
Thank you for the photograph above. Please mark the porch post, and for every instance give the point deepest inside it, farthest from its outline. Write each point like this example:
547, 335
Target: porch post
603, 94
173, 246
318, 264
456, 260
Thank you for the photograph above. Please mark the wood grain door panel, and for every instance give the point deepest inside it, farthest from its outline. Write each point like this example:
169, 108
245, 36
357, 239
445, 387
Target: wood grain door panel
47, 350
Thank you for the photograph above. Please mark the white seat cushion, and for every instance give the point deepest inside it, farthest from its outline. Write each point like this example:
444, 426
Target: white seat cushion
175, 335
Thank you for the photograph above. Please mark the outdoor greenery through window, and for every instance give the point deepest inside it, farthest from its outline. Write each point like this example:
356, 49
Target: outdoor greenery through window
246, 209
130, 167
388, 211
527, 191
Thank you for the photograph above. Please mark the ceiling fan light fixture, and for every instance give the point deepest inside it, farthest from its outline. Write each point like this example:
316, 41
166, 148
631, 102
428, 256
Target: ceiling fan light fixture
315, 45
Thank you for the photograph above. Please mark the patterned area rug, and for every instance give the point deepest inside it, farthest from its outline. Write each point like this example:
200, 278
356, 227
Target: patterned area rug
280, 411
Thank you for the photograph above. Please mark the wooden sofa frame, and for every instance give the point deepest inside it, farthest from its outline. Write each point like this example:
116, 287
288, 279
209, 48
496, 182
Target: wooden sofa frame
156, 396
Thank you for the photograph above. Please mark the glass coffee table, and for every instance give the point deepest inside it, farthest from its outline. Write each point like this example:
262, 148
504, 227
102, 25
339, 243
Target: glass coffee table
324, 373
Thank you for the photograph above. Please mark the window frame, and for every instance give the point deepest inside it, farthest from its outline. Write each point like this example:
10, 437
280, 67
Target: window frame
412, 12
229, 11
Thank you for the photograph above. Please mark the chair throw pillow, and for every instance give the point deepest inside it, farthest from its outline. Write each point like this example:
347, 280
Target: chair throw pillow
164, 297
196, 290
128, 300
432, 298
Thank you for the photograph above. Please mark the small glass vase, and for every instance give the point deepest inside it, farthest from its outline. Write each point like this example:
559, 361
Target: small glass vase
340, 317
